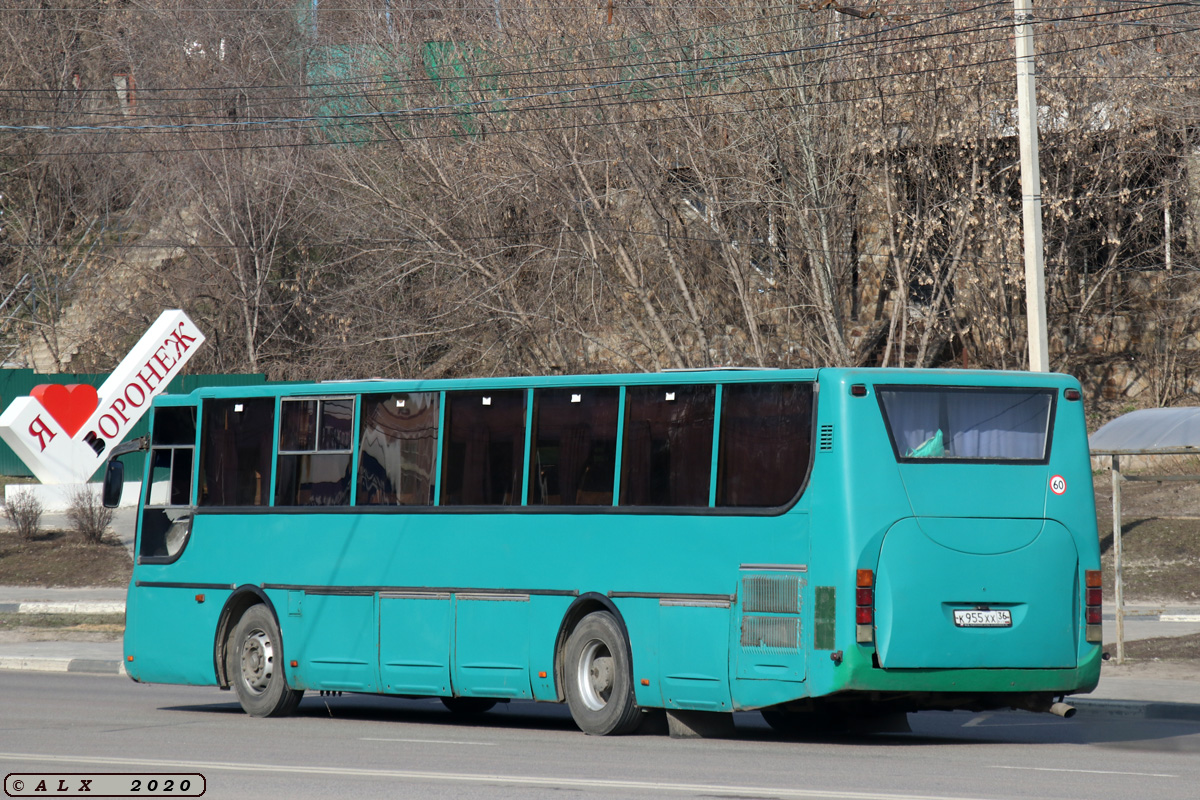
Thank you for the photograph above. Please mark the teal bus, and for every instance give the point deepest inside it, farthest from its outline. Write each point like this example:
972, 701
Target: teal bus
808, 543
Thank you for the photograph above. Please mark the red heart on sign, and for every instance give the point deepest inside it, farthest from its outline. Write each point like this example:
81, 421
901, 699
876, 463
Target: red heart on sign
69, 405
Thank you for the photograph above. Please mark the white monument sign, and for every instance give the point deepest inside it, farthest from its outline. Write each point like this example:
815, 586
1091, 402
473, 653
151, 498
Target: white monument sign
64, 433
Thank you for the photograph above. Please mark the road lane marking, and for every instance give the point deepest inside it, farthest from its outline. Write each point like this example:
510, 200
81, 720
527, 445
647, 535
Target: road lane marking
1088, 771
426, 741
458, 777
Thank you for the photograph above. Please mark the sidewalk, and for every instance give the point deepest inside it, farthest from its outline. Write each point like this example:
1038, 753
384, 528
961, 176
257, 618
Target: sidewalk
1146, 692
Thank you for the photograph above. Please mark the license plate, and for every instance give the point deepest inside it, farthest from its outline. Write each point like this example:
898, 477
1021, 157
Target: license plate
1001, 618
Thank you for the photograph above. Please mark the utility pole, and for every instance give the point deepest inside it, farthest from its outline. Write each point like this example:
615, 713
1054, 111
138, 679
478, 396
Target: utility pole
1031, 190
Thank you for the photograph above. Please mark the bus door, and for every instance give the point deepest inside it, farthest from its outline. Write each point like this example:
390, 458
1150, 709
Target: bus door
162, 614
976, 577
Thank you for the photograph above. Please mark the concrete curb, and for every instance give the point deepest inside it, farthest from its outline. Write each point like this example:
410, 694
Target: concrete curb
1137, 709
86, 666
47, 607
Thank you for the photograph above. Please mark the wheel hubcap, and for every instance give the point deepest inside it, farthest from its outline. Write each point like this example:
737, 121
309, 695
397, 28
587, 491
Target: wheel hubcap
258, 661
596, 674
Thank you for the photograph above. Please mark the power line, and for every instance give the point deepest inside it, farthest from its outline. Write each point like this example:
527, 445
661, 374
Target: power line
442, 112
245, 124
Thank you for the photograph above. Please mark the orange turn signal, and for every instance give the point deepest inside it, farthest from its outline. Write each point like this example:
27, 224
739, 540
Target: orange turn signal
1092, 578
541, 674
866, 577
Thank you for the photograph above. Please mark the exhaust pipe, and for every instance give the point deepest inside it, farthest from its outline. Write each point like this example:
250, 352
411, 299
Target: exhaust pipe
1062, 710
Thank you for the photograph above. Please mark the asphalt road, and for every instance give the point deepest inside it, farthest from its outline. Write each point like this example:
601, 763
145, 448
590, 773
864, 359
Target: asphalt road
359, 747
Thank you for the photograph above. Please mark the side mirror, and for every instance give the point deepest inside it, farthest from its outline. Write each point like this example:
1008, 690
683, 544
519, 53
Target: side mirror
114, 482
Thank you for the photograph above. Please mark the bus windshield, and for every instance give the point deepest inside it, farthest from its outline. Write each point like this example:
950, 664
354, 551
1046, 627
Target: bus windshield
961, 424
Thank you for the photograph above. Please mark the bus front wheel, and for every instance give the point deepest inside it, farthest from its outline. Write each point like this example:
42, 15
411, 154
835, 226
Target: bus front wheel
599, 677
254, 663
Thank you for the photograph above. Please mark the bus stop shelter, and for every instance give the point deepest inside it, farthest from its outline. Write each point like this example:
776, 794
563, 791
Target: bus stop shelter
1149, 432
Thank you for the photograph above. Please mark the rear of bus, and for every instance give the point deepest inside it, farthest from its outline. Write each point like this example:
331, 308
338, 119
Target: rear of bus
968, 499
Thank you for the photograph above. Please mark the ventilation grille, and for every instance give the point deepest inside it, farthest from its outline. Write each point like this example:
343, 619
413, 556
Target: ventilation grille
771, 594
825, 437
771, 633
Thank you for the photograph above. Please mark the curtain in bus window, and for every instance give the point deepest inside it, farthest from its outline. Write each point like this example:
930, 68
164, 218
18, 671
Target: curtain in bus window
235, 452
484, 448
574, 447
969, 424
298, 425
398, 449
666, 455
766, 442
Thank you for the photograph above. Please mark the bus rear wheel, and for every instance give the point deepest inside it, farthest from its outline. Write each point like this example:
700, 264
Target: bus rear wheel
254, 663
599, 677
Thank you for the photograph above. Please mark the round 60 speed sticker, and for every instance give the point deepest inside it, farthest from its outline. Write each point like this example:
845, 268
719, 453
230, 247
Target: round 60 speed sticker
1058, 484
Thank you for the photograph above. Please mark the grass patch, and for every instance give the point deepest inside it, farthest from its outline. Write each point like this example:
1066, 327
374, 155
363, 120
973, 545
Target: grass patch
62, 558
102, 623
1161, 558
1167, 648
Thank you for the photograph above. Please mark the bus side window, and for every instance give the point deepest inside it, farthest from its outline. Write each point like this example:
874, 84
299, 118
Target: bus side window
766, 443
397, 452
167, 509
574, 453
666, 455
483, 462
315, 440
235, 452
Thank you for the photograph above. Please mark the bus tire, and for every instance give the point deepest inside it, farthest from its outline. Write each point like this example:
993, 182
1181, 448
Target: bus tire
598, 674
468, 705
254, 663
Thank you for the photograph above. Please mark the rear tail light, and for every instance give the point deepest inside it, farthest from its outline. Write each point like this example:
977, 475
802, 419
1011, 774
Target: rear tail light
864, 612
1092, 607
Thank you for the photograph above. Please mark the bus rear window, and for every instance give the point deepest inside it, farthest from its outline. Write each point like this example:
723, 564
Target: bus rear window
967, 424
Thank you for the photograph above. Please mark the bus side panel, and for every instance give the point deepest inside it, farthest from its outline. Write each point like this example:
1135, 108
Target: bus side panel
334, 641
491, 645
694, 638
546, 614
414, 644
641, 623
169, 634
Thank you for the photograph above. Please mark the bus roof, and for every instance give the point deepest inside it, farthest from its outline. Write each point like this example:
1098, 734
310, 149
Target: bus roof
825, 375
